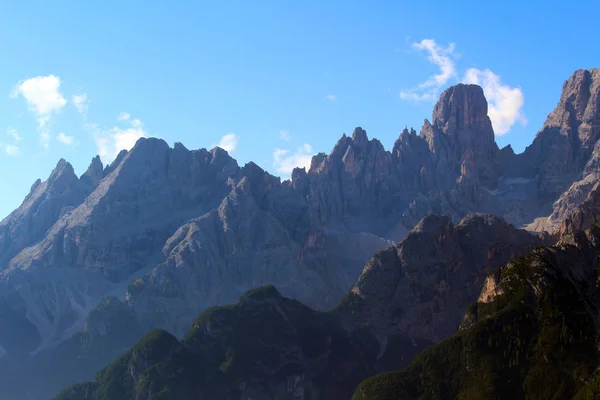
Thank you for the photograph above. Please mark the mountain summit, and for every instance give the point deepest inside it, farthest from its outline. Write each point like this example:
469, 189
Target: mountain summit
172, 231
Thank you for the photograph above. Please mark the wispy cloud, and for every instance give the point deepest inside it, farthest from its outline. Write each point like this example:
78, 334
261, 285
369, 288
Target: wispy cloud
331, 97
14, 134
505, 103
124, 116
285, 161
64, 139
442, 57
285, 135
44, 98
12, 150
42, 93
229, 142
80, 101
111, 141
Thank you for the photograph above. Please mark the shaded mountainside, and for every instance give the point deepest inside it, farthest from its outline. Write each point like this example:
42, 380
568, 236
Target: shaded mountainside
532, 334
565, 154
265, 346
268, 346
170, 232
419, 289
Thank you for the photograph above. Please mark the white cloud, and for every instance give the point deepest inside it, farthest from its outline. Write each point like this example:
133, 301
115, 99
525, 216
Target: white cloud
229, 142
42, 93
505, 103
14, 133
81, 103
44, 138
284, 161
111, 141
331, 97
11, 150
64, 139
124, 116
43, 96
285, 135
443, 57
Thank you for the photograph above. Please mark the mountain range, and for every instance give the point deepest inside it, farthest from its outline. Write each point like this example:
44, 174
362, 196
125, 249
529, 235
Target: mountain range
161, 235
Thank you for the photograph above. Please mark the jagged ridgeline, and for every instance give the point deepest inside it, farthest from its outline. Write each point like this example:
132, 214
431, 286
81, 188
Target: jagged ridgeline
89, 263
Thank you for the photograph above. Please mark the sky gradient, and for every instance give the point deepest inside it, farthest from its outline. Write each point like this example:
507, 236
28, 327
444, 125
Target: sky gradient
273, 82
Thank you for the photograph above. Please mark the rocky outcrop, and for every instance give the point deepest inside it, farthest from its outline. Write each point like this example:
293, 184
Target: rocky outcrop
565, 143
461, 131
419, 289
355, 181
583, 216
44, 205
534, 324
565, 154
114, 233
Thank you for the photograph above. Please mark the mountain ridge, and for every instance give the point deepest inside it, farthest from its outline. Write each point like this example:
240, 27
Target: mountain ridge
169, 223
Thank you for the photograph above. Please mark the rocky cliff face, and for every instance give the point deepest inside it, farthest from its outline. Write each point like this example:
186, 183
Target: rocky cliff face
172, 231
531, 334
418, 290
44, 205
565, 154
583, 216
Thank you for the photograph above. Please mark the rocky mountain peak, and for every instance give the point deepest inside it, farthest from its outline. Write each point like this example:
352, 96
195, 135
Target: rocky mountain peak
432, 223
461, 127
317, 160
299, 179
579, 102
462, 107
94, 173
63, 170
117, 161
96, 165
179, 146
567, 145
406, 134
359, 137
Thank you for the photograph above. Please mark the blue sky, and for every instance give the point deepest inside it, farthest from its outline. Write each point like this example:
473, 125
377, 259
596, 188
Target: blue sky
273, 81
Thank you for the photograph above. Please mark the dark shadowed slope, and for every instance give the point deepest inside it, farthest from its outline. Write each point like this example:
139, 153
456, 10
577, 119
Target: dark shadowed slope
267, 346
532, 334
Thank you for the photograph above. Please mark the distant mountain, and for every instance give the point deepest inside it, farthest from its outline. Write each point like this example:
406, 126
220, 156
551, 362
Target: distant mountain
169, 232
269, 346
